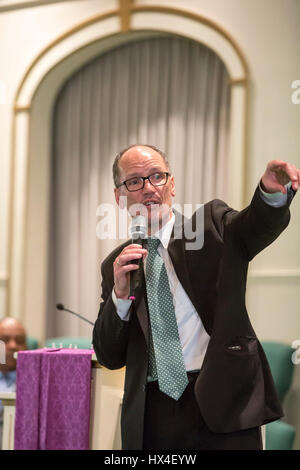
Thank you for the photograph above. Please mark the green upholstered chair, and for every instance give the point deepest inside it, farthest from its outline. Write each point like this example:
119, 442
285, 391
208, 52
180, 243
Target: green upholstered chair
78, 342
280, 435
32, 343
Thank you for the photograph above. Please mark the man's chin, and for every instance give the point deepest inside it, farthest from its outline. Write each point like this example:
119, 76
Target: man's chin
11, 364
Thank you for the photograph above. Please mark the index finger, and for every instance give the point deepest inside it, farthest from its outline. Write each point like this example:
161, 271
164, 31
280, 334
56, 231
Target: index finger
133, 247
294, 175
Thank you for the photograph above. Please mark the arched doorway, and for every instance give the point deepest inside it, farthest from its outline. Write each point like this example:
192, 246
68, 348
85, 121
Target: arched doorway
170, 92
32, 134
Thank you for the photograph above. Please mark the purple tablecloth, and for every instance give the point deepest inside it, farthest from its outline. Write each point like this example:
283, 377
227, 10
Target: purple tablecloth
53, 399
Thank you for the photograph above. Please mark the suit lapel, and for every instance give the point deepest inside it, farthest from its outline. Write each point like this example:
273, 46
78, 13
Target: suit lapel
177, 253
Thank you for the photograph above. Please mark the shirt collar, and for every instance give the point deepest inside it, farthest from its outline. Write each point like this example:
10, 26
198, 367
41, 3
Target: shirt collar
164, 233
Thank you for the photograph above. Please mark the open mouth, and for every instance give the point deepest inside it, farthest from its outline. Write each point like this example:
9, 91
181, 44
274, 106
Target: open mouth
150, 203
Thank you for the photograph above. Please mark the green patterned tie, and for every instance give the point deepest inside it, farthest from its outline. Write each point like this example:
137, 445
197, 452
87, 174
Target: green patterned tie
165, 356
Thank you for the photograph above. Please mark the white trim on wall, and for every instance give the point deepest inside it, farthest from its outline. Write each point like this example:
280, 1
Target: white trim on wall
10, 5
274, 273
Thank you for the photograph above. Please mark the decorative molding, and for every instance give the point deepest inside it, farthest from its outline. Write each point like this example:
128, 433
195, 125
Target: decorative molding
198, 18
22, 109
95, 364
11, 5
274, 273
120, 22
59, 39
238, 81
126, 9
125, 14
11, 211
255, 274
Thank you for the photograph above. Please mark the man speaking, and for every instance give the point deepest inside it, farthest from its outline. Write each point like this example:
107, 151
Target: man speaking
196, 375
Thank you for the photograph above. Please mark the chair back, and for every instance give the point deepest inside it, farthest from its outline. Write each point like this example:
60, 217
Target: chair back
279, 356
32, 343
78, 342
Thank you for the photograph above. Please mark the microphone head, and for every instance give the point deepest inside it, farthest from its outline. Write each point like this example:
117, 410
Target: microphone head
138, 227
60, 307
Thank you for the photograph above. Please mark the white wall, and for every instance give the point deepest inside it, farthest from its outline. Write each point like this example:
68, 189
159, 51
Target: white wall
24, 33
268, 33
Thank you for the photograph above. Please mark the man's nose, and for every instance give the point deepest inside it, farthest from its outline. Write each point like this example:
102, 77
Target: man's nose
148, 187
12, 344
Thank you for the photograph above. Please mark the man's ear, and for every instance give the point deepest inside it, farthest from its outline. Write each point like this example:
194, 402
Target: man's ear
117, 195
173, 190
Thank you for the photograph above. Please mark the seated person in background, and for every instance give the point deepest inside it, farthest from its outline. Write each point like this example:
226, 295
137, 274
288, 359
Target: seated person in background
12, 334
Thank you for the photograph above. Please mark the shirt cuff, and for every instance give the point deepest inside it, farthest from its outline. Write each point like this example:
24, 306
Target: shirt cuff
122, 306
275, 199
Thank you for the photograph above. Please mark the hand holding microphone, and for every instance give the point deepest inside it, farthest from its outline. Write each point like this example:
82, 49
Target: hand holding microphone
127, 264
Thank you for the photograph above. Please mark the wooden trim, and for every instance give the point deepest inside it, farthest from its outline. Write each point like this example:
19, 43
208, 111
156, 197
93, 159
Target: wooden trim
22, 109
96, 365
62, 37
10, 5
8, 401
125, 11
10, 215
274, 274
246, 140
200, 19
125, 14
238, 81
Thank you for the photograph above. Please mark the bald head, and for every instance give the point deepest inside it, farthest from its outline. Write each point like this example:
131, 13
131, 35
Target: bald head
9, 322
116, 167
13, 335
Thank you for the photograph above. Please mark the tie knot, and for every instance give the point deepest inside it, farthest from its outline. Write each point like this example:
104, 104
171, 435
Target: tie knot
153, 244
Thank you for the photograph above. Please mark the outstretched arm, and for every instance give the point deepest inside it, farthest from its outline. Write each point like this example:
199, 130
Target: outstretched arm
259, 224
278, 174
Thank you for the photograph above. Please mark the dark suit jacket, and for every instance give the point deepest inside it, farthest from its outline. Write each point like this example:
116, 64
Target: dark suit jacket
234, 389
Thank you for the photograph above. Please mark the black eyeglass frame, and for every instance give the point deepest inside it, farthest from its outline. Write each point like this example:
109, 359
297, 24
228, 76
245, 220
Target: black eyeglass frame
144, 178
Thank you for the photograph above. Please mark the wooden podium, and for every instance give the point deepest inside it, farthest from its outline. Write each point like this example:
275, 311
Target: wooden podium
105, 411
106, 403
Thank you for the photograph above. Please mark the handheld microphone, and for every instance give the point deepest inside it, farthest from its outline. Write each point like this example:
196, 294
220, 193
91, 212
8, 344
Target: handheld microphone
62, 307
138, 232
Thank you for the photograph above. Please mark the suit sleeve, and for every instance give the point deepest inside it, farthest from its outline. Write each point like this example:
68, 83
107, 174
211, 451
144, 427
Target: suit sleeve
257, 226
110, 334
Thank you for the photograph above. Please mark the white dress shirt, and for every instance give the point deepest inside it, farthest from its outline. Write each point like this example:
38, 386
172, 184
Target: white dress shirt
193, 336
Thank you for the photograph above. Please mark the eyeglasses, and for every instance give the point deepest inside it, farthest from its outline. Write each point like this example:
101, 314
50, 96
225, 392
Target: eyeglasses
137, 183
